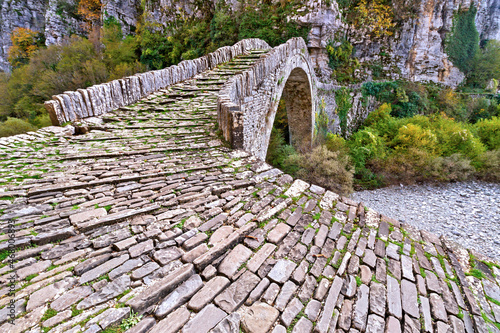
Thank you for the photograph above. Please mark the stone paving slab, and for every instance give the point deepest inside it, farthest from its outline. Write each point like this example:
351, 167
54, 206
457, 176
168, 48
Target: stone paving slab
149, 212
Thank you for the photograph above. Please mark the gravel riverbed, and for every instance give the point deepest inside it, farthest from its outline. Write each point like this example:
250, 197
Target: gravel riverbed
465, 212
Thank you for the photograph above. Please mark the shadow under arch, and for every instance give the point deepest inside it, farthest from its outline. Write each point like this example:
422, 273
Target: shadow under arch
297, 93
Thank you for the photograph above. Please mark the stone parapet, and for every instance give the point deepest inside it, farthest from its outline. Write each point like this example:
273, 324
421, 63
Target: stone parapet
102, 98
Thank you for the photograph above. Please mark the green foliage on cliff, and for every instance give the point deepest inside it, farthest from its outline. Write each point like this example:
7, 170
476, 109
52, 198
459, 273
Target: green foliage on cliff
463, 41
409, 99
486, 66
344, 105
341, 59
479, 64
270, 22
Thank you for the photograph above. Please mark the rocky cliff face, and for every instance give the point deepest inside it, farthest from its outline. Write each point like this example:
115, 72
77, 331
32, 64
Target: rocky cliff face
415, 52
56, 19
27, 14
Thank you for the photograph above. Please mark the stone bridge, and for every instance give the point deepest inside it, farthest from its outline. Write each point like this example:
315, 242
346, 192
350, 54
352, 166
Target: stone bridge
148, 222
247, 102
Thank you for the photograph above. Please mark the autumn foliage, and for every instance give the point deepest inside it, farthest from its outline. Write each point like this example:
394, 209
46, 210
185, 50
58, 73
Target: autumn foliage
24, 45
376, 16
90, 10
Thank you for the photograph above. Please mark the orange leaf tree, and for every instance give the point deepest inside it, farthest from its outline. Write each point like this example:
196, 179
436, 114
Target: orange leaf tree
24, 44
91, 12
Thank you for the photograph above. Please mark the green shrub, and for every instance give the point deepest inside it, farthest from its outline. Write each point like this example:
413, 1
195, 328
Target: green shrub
278, 152
380, 115
414, 136
406, 98
330, 169
488, 130
450, 168
271, 21
482, 108
42, 120
344, 105
13, 126
452, 105
436, 147
403, 165
341, 59
486, 65
336, 143
490, 165
456, 138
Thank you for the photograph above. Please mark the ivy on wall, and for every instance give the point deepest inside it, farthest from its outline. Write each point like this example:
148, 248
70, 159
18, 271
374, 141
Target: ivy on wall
344, 105
463, 41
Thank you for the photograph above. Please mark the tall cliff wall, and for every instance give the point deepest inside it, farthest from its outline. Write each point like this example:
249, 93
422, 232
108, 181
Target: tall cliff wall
55, 19
415, 52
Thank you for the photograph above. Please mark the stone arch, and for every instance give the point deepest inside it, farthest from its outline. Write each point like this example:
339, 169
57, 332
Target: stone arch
296, 85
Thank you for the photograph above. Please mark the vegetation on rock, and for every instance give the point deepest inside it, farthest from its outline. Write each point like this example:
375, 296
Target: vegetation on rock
463, 43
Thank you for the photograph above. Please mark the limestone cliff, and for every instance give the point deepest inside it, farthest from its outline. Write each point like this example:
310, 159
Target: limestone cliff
26, 13
55, 19
415, 51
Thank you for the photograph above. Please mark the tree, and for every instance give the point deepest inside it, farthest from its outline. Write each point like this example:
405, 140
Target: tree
91, 12
486, 65
376, 16
24, 43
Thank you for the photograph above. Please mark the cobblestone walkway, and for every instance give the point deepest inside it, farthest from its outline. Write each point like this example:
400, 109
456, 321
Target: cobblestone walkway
150, 214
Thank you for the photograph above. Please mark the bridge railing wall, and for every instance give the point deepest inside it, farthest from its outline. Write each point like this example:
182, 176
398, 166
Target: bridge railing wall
102, 98
240, 90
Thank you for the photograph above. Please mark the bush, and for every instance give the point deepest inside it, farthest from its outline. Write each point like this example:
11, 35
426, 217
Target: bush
450, 168
13, 126
328, 165
482, 108
271, 21
452, 105
278, 152
344, 104
486, 65
330, 169
456, 138
393, 150
381, 114
490, 166
341, 59
403, 165
414, 136
488, 130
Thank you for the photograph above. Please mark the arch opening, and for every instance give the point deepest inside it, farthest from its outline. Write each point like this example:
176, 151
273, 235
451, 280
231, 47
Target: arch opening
290, 119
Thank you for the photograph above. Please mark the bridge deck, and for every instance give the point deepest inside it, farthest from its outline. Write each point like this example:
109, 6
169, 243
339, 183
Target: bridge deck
150, 212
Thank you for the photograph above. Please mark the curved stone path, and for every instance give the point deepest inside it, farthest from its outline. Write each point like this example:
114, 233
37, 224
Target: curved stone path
150, 220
